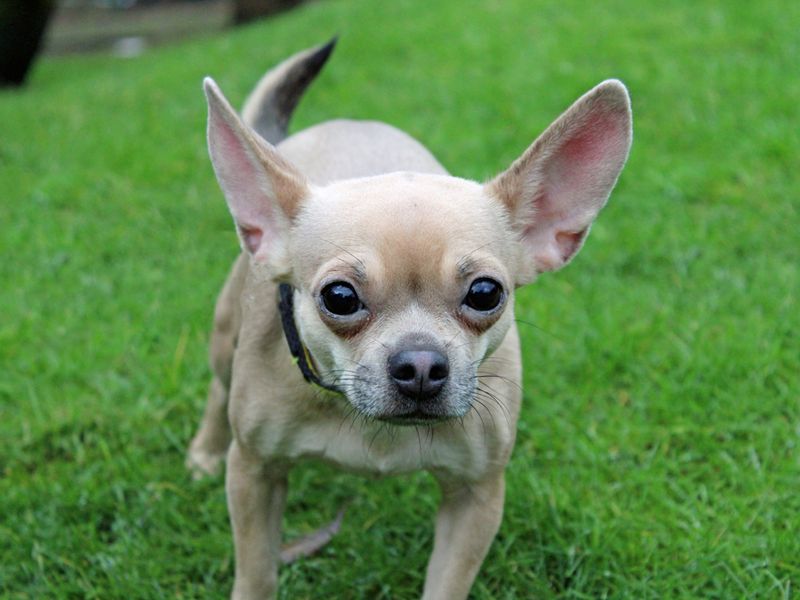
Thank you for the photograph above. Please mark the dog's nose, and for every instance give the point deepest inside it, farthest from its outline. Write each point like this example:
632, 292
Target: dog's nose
419, 373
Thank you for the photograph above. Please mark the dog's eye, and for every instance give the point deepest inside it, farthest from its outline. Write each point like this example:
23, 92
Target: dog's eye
484, 295
339, 298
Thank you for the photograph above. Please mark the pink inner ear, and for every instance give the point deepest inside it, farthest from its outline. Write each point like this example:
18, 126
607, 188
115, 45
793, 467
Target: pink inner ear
592, 143
251, 237
581, 166
240, 179
577, 179
569, 243
242, 182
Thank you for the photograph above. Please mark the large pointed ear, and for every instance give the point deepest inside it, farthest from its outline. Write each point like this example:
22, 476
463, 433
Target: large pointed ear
554, 191
264, 192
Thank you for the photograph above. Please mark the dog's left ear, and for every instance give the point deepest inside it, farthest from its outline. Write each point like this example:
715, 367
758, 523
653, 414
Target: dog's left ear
264, 192
554, 191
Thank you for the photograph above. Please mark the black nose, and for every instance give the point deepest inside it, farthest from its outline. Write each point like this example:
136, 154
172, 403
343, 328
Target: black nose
419, 373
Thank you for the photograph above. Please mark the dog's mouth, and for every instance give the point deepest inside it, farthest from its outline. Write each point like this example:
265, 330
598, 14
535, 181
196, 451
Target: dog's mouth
377, 401
415, 417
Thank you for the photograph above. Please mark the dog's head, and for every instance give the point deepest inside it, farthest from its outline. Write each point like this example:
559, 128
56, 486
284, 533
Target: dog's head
404, 282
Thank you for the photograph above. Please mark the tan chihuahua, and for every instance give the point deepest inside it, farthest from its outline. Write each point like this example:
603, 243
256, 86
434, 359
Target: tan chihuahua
369, 321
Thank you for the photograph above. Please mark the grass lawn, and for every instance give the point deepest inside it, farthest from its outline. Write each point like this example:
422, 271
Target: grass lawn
659, 447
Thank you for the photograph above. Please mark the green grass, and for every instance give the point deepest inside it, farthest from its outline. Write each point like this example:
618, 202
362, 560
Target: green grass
659, 448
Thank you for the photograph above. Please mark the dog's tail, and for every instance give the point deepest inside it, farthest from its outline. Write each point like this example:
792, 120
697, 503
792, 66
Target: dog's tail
269, 106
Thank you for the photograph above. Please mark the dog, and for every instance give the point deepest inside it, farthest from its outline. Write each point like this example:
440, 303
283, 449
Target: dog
369, 319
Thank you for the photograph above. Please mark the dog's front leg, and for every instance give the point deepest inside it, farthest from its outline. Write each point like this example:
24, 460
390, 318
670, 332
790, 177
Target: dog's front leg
256, 499
468, 519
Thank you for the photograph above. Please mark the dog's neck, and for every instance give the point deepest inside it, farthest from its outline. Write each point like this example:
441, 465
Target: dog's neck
302, 357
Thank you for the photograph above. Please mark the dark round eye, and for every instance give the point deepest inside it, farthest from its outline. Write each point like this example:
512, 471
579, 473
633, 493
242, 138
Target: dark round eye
484, 295
340, 298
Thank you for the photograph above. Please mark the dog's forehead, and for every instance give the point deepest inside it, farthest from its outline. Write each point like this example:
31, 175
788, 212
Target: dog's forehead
412, 222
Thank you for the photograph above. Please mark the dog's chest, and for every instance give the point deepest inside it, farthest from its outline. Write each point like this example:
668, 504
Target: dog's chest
380, 449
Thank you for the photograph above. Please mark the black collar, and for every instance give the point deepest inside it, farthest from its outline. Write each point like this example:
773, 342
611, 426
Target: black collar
300, 353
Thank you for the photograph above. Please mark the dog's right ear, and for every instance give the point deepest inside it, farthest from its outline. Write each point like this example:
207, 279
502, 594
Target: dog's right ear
264, 192
554, 191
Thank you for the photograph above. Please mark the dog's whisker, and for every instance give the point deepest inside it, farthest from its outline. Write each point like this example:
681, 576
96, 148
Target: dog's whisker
419, 440
539, 329
450, 341
488, 412
346, 251
462, 262
484, 376
489, 395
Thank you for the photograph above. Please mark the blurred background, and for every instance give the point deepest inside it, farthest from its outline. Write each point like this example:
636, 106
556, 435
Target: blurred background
122, 27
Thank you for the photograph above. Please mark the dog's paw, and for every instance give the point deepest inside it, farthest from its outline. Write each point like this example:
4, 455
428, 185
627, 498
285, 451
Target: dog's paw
202, 463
